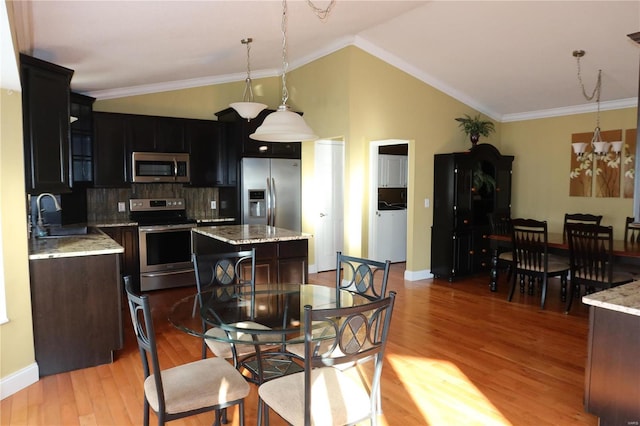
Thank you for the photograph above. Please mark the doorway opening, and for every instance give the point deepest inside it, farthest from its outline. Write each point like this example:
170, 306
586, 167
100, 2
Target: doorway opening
388, 199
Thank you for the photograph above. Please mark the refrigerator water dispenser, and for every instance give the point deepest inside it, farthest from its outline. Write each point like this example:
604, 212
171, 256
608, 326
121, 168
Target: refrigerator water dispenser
257, 203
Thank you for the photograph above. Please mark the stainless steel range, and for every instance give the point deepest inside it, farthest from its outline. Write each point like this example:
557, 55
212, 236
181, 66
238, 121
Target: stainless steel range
164, 235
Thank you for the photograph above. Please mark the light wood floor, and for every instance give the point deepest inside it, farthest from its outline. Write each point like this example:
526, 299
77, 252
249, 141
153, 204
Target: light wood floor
458, 354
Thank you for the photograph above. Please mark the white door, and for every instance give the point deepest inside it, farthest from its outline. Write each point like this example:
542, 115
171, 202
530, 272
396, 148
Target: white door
329, 221
391, 235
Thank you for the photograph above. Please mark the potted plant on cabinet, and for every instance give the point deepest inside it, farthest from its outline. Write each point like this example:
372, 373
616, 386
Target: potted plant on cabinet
475, 127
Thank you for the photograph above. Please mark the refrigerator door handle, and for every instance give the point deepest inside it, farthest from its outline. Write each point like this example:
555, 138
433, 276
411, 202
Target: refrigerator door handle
268, 201
274, 204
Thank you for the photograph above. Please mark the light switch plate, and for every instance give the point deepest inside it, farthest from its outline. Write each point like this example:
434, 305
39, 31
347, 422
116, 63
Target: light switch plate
426, 203
122, 206
213, 204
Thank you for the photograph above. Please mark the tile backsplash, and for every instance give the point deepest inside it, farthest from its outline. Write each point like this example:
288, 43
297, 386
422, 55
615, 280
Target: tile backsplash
102, 203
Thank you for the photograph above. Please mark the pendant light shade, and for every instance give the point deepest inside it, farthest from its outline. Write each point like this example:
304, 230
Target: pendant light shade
247, 108
284, 125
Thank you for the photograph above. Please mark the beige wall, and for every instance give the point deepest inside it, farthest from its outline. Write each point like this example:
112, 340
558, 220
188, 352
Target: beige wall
542, 150
16, 336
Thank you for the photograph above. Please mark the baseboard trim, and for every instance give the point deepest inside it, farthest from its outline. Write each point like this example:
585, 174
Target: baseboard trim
19, 380
417, 275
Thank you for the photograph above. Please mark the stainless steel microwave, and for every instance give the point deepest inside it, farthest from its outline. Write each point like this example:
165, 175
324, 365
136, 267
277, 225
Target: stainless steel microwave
152, 167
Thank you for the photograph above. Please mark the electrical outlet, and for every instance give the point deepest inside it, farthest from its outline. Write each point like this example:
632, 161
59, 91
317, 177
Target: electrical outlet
122, 207
213, 204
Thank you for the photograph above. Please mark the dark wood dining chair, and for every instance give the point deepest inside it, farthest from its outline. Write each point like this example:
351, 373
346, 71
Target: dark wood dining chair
501, 225
591, 259
185, 390
322, 394
531, 258
631, 231
579, 218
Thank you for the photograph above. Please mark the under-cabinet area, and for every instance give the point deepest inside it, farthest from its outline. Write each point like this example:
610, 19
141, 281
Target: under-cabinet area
76, 301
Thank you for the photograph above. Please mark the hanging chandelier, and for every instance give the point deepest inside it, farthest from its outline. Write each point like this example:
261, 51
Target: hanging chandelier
247, 108
284, 125
600, 147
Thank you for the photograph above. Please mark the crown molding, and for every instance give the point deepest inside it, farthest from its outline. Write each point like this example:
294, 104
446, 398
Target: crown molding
146, 89
571, 110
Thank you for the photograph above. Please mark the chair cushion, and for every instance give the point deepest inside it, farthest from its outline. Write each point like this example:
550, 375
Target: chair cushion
552, 267
337, 399
202, 383
506, 256
223, 349
618, 277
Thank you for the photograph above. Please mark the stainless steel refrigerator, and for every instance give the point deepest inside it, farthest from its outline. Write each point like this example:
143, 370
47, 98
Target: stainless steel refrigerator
271, 192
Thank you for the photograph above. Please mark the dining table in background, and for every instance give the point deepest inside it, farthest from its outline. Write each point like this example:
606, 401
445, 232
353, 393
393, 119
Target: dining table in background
272, 315
623, 252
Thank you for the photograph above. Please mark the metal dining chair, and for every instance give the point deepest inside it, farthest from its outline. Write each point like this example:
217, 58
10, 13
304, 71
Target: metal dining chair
356, 335
591, 258
185, 390
226, 272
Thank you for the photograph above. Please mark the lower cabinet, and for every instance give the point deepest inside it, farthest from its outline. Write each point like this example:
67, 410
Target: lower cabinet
276, 262
77, 317
127, 237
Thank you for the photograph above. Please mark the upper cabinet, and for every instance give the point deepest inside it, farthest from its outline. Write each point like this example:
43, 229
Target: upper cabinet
110, 133
392, 171
238, 135
46, 115
212, 162
156, 134
81, 138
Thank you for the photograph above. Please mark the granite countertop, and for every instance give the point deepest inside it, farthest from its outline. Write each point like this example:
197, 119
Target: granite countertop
95, 242
110, 224
250, 234
624, 298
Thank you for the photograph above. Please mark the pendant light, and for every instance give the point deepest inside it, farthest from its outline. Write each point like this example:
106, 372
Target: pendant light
247, 108
284, 125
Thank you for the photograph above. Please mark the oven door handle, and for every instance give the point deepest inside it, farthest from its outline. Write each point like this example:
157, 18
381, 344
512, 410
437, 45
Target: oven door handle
155, 228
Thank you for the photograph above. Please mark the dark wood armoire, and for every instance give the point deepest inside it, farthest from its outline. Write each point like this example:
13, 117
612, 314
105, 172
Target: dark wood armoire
468, 187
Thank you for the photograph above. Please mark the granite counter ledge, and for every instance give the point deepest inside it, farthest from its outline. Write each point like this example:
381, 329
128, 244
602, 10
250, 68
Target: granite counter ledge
94, 243
624, 298
250, 234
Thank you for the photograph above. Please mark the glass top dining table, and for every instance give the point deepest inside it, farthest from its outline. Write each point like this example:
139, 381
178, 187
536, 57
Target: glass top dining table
270, 318
271, 311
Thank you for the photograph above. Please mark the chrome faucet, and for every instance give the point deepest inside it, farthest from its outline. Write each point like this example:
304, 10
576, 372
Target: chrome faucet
40, 224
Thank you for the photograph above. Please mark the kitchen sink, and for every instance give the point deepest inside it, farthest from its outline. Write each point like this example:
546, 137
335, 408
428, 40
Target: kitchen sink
67, 231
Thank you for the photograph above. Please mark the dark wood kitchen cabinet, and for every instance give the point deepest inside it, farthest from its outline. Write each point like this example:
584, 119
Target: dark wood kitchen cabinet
46, 113
77, 311
468, 186
127, 237
276, 262
238, 135
156, 134
212, 162
110, 150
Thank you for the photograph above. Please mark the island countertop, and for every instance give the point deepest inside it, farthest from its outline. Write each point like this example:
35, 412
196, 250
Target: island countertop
95, 242
624, 298
250, 234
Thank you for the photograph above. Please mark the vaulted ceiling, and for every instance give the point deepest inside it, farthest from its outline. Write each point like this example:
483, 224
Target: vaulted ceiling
508, 59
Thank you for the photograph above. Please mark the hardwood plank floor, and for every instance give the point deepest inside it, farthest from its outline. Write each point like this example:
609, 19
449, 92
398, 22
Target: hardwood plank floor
457, 354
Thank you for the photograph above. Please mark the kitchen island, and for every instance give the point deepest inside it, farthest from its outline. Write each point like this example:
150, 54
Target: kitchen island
76, 301
282, 255
612, 385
